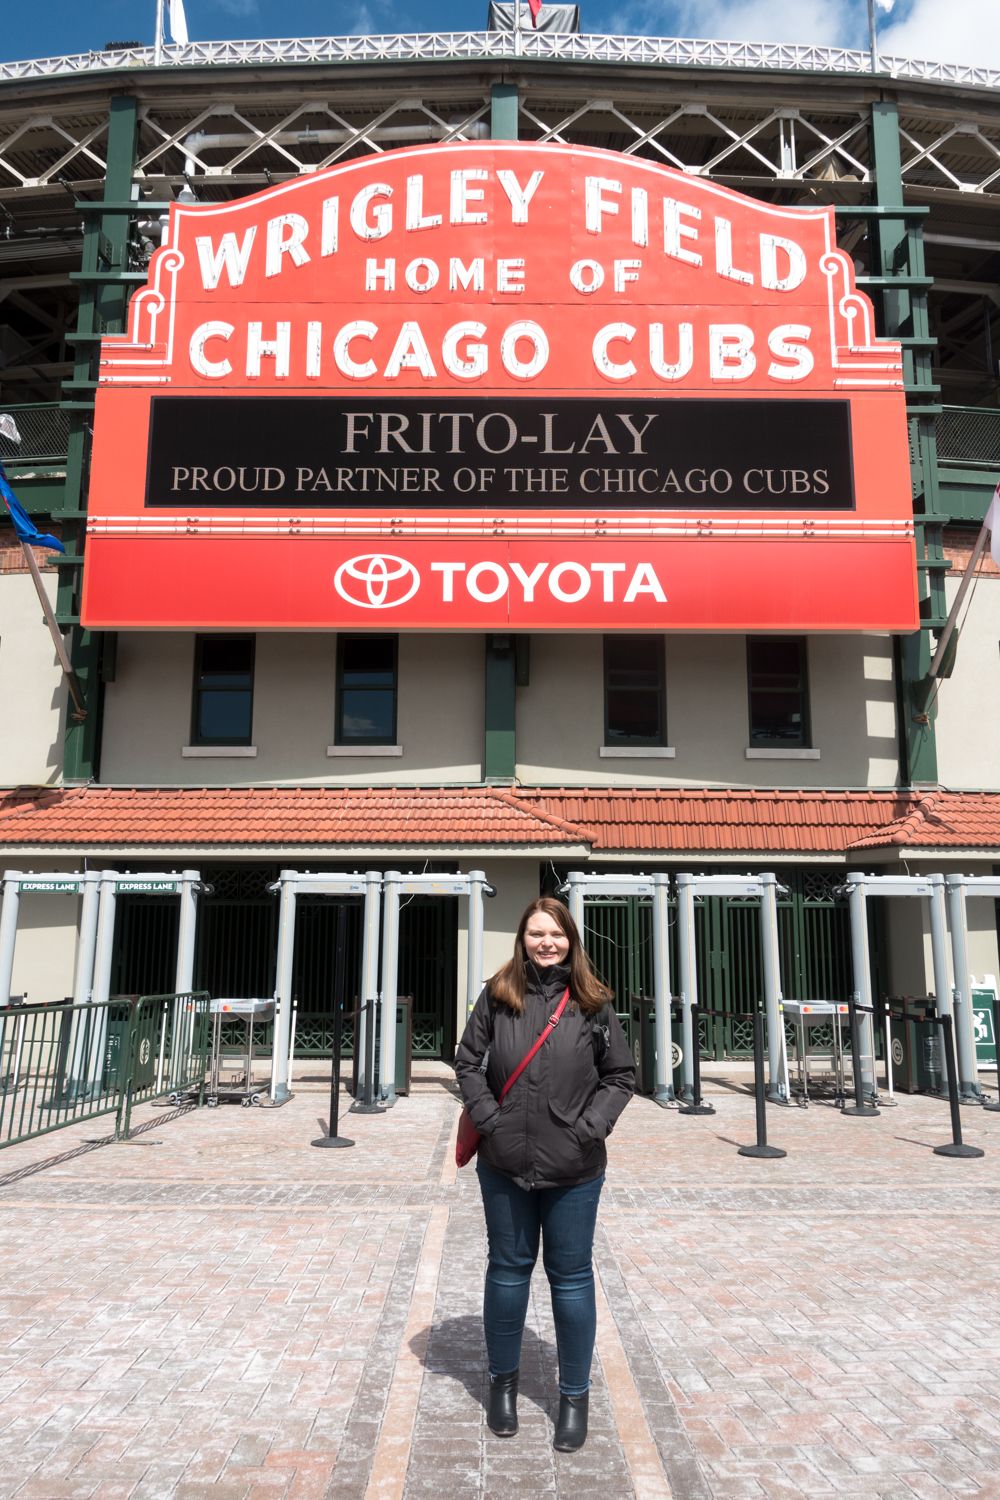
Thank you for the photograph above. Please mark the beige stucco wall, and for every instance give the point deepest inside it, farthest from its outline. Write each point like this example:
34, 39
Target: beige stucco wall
440, 713
967, 723
517, 882
32, 695
560, 724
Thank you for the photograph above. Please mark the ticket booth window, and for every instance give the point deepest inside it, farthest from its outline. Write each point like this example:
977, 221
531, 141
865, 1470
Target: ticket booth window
779, 692
634, 690
366, 689
223, 690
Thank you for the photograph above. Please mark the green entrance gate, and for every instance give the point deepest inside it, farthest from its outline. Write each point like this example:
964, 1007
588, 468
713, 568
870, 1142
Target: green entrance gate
237, 947
814, 933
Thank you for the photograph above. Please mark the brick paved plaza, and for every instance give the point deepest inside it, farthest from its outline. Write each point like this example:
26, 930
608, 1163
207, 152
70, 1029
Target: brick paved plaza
223, 1311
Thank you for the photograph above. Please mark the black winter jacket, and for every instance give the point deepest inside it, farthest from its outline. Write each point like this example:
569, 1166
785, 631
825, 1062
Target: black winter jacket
551, 1127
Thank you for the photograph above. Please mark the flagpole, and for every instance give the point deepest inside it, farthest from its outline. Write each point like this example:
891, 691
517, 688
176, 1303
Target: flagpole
872, 45
158, 43
517, 28
72, 681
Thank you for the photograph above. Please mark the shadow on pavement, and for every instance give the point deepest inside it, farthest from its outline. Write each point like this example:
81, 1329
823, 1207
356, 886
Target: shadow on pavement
456, 1349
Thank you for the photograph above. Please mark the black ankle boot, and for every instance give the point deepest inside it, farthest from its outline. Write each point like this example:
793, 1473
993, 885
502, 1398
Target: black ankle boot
571, 1428
501, 1418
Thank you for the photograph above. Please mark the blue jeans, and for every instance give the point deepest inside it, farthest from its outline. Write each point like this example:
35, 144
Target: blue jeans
565, 1218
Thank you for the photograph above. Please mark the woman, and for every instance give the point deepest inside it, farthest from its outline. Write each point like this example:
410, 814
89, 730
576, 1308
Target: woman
542, 1160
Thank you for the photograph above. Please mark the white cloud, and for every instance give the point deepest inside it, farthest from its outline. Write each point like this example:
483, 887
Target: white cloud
957, 31
963, 31
822, 22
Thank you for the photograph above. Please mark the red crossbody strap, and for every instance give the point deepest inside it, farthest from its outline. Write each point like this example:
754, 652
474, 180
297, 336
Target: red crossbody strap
550, 1027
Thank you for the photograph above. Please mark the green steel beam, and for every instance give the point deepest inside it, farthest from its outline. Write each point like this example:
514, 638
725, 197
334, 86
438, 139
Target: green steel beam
899, 277
503, 112
500, 754
105, 283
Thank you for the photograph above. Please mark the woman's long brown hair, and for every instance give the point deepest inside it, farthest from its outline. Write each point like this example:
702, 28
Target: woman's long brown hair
508, 984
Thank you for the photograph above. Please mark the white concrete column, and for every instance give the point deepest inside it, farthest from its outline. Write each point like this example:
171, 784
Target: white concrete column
369, 968
477, 924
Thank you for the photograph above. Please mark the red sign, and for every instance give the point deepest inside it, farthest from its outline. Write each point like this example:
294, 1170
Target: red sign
494, 385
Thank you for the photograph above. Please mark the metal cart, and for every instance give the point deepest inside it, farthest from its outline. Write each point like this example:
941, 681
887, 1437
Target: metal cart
824, 1064
232, 1067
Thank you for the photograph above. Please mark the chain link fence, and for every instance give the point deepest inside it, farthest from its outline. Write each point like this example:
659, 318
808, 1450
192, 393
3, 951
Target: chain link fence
44, 434
969, 434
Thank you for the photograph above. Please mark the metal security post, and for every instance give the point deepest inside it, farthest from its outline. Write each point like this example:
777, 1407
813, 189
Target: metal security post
369, 973
777, 1053
939, 959
965, 1047
283, 1011
8, 931
86, 949
688, 973
573, 891
479, 887
390, 985
189, 887
663, 1093
862, 996
104, 949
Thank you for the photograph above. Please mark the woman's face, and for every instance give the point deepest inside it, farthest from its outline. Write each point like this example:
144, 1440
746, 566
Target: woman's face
544, 940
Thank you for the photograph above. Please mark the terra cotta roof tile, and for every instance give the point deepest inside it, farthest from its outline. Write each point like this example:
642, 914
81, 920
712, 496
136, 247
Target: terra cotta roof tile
682, 820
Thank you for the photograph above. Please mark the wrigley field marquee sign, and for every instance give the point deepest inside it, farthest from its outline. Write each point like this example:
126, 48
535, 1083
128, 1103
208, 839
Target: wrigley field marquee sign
500, 385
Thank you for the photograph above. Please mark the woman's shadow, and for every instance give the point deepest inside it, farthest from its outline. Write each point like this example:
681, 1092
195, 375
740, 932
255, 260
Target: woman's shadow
456, 1349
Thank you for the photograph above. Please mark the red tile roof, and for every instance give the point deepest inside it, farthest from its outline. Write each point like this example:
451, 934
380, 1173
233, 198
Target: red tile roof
744, 820
942, 820
607, 819
95, 816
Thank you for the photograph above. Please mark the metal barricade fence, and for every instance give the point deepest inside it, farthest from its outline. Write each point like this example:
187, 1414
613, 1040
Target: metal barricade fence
61, 1064
168, 1050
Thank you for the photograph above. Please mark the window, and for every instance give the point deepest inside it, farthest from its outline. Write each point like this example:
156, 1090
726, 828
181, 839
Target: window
634, 690
223, 690
779, 698
366, 690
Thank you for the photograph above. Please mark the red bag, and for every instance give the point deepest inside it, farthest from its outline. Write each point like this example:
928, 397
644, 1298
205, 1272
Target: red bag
468, 1136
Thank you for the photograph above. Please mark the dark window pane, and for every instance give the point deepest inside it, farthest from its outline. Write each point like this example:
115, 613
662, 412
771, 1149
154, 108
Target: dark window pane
777, 692
634, 715
368, 661
225, 715
226, 662
367, 714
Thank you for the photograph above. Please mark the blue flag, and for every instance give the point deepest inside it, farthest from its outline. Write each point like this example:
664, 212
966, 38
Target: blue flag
25, 527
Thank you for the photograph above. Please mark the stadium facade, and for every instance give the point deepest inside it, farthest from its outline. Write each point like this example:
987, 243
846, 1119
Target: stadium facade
332, 743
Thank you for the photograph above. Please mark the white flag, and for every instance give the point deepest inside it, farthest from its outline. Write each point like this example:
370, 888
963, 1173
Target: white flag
993, 522
178, 21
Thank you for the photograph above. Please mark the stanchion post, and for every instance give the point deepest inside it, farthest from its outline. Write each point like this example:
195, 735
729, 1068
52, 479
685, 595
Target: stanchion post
696, 1107
956, 1146
334, 1138
859, 1107
761, 1150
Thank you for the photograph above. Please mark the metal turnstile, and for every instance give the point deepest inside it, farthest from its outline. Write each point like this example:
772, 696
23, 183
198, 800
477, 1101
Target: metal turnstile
232, 1067
817, 1067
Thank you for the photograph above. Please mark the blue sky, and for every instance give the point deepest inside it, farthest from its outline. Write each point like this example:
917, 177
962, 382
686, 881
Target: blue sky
960, 31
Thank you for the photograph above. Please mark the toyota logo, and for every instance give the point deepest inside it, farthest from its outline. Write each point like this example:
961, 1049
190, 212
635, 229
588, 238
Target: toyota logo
376, 581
